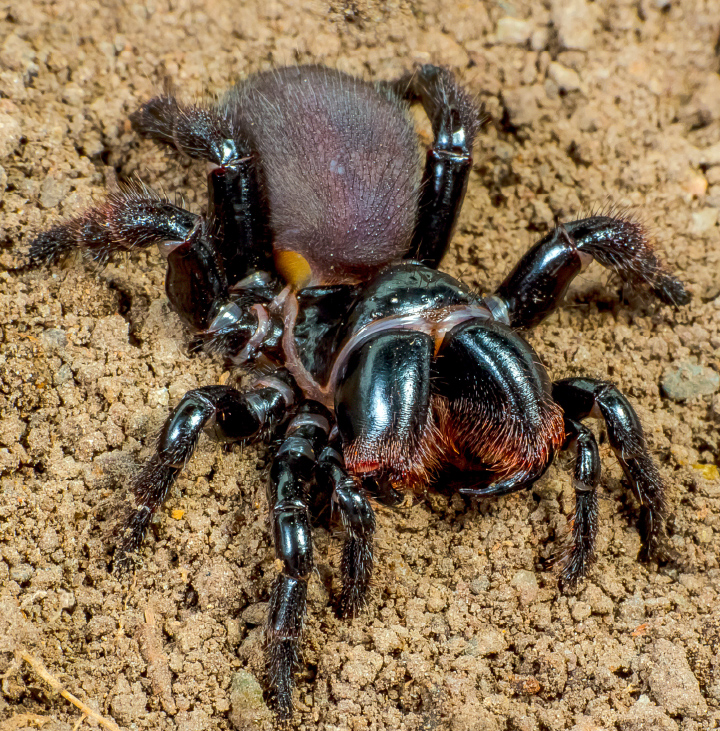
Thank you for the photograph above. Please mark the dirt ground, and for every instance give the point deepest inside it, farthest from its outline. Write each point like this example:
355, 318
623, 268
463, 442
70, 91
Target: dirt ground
590, 103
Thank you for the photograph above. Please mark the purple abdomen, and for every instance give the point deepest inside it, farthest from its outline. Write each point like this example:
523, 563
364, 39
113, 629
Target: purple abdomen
341, 165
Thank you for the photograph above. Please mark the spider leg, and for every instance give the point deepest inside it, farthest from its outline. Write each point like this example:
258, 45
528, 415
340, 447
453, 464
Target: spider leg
200, 132
586, 474
134, 217
587, 397
239, 219
234, 416
290, 472
537, 285
358, 520
196, 283
455, 120
236, 210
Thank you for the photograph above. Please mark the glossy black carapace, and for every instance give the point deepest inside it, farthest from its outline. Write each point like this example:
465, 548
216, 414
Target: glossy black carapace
315, 266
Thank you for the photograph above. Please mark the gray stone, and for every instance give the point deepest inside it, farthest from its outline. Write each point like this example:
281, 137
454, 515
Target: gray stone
672, 682
21, 573
247, 707
687, 380
54, 339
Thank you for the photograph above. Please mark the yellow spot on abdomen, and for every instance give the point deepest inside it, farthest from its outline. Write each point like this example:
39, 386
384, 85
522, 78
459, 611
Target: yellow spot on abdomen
294, 268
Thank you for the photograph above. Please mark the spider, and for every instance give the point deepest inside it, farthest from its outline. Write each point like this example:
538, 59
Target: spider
315, 266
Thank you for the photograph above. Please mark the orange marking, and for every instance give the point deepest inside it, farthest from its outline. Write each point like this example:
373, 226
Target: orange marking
294, 268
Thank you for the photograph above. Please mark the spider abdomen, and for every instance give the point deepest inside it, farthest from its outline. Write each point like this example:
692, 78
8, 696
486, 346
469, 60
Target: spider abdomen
341, 166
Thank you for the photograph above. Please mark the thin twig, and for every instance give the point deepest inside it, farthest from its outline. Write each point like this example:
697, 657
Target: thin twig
55, 684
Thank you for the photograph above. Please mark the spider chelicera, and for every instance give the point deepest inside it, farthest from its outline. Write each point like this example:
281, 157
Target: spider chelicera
315, 266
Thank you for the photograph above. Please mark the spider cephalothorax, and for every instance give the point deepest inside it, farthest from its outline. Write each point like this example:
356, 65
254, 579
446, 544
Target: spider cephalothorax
315, 265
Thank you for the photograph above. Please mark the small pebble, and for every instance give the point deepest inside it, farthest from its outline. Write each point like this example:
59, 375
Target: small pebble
489, 641
248, 708
513, 31
704, 220
687, 380
10, 134
575, 23
581, 611
54, 338
255, 614
672, 682
644, 715
526, 585
53, 190
696, 185
21, 573
565, 78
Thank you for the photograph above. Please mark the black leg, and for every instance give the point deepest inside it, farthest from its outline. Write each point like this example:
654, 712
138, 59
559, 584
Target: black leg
239, 219
237, 212
133, 218
537, 285
586, 474
234, 416
455, 120
358, 520
196, 283
583, 397
291, 470
196, 131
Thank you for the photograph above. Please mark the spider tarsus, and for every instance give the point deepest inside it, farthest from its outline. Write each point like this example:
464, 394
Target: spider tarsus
134, 218
200, 132
580, 555
51, 245
283, 634
670, 290
643, 475
356, 568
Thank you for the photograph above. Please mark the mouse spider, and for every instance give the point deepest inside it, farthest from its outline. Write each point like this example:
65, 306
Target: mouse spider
315, 266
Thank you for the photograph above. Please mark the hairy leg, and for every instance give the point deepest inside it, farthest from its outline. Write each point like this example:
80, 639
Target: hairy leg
290, 473
587, 397
455, 120
537, 285
586, 474
235, 416
133, 218
358, 520
237, 212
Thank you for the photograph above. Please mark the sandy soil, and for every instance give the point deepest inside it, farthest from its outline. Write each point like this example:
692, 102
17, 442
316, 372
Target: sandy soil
590, 102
